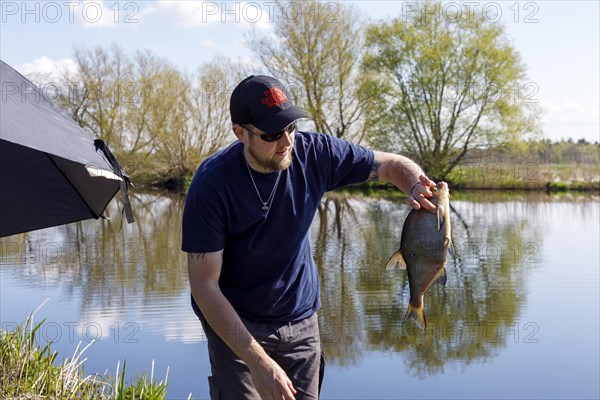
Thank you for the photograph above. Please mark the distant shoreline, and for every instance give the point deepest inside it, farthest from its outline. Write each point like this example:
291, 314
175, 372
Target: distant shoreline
552, 178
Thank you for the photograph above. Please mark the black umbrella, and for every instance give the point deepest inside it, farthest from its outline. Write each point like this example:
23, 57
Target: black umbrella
51, 171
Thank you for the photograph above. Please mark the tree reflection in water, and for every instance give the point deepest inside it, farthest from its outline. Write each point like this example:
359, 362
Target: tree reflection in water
468, 320
113, 269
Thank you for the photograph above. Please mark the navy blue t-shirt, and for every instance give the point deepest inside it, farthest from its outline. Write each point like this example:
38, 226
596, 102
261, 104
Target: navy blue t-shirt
268, 271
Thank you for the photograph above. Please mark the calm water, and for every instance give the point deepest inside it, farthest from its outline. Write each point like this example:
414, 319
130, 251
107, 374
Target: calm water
518, 318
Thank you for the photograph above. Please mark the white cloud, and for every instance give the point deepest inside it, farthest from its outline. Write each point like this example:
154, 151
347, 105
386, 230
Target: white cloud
571, 117
187, 330
189, 14
47, 69
97, 324
208, 43
111, 322
100, 14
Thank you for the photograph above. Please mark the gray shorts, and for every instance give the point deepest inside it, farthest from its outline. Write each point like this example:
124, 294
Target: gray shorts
295, 346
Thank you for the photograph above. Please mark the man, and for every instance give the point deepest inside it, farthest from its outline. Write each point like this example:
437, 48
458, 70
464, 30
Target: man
245, 228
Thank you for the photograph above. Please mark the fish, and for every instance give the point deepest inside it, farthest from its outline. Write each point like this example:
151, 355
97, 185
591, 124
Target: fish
424, 247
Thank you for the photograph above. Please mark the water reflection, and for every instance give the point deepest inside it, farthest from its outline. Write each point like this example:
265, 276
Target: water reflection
477, 312
113, 270
117, 272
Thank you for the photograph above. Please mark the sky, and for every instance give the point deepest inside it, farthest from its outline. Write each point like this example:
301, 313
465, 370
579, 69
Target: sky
559, 41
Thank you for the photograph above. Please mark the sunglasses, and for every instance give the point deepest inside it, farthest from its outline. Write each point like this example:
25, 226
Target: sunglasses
273, 137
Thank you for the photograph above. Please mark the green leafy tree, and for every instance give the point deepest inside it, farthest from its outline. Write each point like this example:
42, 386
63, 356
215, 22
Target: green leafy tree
443, 83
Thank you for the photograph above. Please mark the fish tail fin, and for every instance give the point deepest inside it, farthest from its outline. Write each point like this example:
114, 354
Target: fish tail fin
416, 314
396, 258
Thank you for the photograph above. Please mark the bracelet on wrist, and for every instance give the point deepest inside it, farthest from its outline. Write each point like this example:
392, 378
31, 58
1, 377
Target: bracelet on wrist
413, 188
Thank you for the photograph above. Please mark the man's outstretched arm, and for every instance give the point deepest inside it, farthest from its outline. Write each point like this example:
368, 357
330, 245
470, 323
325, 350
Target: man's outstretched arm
406, 175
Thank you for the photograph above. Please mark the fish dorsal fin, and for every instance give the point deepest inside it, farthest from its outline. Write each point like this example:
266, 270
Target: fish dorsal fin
396, 258
440, 217
442, 277
449, 245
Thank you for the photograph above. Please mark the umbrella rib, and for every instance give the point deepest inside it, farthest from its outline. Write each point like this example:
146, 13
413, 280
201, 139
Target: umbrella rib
73, 186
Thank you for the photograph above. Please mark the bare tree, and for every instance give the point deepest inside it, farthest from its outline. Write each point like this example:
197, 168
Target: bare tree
317, 51
208, 105
156, 118
98, 93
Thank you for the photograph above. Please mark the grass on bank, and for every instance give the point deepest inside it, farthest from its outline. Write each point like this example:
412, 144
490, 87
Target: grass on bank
527, 176
28, 371
475, 176
504, 177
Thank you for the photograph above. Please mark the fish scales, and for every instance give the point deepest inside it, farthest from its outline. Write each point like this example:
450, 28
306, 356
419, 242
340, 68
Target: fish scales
424, 247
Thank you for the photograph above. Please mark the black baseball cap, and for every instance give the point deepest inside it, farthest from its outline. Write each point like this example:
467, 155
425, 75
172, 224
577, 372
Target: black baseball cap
265, 103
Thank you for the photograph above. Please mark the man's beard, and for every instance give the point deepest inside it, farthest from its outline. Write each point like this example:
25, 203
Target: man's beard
270, 164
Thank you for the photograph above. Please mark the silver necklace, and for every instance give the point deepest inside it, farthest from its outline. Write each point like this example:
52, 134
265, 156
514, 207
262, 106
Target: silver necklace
265, 207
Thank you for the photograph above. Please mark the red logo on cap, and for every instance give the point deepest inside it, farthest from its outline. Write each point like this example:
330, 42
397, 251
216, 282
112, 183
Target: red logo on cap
274, 97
